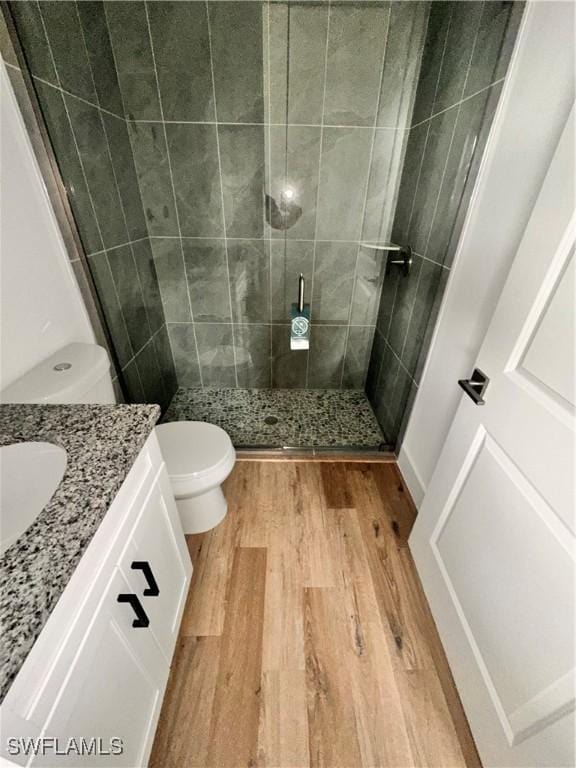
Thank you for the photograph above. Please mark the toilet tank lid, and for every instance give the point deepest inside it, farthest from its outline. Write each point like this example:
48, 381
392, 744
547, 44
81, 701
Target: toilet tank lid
62, 378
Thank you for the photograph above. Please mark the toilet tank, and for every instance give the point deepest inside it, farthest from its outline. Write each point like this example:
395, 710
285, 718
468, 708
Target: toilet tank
77, 373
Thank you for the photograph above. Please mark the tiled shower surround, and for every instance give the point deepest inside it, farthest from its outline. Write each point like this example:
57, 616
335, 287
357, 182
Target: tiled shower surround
466, 55
214, 150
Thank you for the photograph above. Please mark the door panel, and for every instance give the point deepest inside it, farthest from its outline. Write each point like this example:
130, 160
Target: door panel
494, 502
549, 359
494, 541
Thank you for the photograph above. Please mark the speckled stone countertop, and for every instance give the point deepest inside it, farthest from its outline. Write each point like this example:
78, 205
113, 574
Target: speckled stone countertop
102, 443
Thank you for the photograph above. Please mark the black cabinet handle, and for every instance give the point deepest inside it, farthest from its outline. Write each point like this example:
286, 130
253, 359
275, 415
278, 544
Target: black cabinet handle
141, 619
152, 588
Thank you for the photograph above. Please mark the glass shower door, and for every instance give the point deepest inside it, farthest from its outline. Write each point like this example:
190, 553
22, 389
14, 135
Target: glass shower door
313, 226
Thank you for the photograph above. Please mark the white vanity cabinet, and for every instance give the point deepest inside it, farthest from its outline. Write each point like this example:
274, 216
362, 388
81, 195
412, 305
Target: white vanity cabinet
113, 688
154, 562
99, 668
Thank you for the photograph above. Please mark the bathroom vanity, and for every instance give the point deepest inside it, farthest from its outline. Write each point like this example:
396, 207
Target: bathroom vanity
93, 592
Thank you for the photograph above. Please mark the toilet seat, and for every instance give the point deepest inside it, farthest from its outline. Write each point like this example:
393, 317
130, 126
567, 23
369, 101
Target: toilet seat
197, 455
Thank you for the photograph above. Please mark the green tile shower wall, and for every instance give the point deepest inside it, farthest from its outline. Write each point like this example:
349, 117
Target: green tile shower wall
466, 54
172, 120
289, 103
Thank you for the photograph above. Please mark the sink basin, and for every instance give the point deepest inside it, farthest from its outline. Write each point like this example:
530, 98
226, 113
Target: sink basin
29, 476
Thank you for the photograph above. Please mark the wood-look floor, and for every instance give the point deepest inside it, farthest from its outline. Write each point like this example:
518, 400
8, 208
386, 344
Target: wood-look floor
306, 639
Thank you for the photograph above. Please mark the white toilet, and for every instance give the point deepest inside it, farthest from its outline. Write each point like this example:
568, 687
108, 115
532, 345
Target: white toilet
76, 373
199, 457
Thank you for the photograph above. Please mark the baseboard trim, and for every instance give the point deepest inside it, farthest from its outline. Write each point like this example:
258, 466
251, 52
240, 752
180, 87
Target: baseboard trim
411, 478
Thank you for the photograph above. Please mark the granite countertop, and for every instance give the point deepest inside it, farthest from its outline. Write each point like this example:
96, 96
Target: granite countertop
102, 443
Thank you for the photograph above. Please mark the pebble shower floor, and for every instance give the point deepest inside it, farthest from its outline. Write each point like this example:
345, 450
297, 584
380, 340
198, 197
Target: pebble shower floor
283, 418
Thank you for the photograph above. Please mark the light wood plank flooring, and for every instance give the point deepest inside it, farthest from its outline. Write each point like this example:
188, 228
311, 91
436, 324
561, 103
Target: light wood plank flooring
306, 639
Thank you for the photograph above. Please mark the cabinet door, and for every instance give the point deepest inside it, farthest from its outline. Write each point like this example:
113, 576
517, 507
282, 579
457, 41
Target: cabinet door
113, 689
158, 542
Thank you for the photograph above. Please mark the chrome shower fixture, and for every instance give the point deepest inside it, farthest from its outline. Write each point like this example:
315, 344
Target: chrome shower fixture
402, 259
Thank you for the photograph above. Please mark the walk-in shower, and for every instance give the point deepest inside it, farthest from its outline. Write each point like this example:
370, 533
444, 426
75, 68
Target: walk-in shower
269, 194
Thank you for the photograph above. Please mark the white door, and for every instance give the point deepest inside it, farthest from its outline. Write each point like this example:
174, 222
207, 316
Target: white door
114, 688
494, 542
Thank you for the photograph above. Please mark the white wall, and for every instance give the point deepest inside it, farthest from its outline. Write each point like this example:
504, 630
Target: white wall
41, 308
536, 101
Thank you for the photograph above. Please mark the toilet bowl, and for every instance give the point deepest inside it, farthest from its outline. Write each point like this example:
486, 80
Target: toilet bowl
199, 457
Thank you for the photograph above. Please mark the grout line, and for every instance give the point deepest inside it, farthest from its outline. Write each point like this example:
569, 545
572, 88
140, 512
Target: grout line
402, 366
221, 193
135, 354
428, 128
139, 278
71, 127
462, 101
269, 136
329, 4
417, 185
265, 124
115, 62
286, 176
120, 200
432, 261
408, 100
120, 245
171, 348
389, 210
387, 343
411, 314
280, 325
390, 200
366, 190
398, 278
452, 136
172, 181
75, 95
128, 131
249, 239
119, 307
381, 363
393, 387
